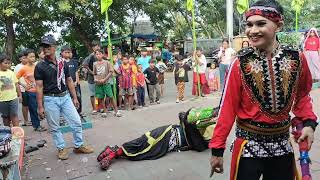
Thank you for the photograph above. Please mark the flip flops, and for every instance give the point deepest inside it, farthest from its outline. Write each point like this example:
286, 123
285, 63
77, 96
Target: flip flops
31, 148
41, 143
27, 124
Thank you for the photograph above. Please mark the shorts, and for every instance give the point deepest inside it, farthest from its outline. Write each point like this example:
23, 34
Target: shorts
91, 90
126, 91
161, 78
9, 108
25, 98
102, 91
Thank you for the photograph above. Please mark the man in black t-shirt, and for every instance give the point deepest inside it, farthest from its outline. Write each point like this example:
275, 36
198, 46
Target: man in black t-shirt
88, 64
52, 83
151, 74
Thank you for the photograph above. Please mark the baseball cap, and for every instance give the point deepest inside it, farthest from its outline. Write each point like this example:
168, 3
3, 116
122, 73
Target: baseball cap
48, 40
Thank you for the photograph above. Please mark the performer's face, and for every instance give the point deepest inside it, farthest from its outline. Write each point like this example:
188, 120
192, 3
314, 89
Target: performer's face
262, 31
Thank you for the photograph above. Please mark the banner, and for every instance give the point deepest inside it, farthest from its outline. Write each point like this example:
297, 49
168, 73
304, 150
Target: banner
189, 5
242, 6
297, 6
105, 4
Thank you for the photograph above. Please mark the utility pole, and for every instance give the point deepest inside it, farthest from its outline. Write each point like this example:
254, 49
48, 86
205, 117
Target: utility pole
229, 16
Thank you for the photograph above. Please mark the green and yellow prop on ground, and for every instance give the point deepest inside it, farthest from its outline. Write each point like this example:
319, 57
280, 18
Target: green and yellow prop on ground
202, 117
105, 4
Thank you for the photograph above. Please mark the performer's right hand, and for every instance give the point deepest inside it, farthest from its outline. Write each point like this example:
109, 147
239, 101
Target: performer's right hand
216, 165
41, 113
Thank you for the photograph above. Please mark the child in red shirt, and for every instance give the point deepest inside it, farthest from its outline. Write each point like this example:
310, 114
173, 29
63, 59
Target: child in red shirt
141, 80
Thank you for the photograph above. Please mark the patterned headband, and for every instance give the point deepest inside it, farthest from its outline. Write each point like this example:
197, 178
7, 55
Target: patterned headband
267, 12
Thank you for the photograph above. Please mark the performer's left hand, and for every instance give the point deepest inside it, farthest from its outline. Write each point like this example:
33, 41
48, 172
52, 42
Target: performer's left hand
307, 132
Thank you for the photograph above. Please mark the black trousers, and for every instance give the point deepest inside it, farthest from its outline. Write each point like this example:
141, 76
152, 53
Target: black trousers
275, 168
78, 92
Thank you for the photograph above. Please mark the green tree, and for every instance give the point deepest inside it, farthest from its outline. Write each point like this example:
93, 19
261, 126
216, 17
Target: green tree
210, 17
21, 24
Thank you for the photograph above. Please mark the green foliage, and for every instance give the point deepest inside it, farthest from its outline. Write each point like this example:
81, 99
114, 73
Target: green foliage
308, 16
293, 39
173, 15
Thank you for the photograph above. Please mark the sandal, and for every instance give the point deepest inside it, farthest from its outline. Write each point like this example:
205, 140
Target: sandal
30, 149
27, 124
40, 129
41, 143
118, 114
104, 115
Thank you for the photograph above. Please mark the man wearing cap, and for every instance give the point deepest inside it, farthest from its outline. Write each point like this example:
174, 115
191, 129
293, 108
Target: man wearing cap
88, 64
53, 81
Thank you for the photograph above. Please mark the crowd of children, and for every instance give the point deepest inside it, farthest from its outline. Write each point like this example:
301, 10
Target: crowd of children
126, 81
130, 78
133, 78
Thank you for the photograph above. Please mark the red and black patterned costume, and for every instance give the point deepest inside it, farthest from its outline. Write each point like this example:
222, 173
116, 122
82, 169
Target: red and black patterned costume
260, 92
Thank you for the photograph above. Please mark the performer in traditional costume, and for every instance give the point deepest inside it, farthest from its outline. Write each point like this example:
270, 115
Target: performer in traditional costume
263, 85
193, 133
312, 53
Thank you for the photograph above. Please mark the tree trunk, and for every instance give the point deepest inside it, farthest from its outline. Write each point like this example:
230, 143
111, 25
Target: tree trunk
10, 49
82, 34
